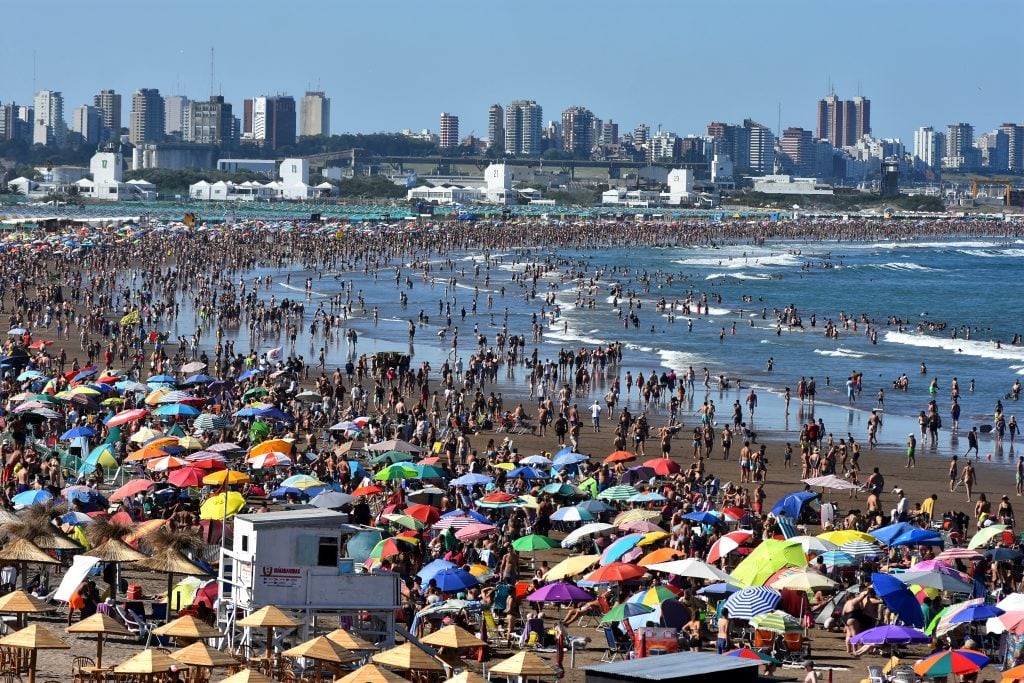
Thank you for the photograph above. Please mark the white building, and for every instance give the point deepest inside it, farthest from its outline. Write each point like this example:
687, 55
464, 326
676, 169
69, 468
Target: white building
314, 114
293, 184
496, 189
620, 196
929, 147
107, 180
784, 184
680, 187
49, 127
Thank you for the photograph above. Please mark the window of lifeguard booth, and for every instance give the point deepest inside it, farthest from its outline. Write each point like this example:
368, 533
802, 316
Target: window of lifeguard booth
317, 551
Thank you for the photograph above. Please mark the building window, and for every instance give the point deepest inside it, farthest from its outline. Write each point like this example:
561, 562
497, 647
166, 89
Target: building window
245, 543
328, 553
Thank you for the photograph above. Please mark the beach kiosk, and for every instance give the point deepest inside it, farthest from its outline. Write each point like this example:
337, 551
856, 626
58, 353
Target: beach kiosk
291, 559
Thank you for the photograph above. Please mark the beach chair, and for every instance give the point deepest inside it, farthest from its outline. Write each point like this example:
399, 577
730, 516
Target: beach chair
135, 625
875, 674
533, 631
603, 607
615, 649
764, 641
795, 648
787, 527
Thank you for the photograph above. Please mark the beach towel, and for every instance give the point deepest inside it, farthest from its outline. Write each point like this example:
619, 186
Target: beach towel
787, 527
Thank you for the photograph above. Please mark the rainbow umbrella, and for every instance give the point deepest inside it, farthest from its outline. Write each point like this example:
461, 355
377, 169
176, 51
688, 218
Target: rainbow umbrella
389, 547
957, 662
652, 597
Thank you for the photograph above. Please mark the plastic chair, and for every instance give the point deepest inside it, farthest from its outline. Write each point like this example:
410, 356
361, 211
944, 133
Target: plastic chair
603, 609
763, 640
615, 649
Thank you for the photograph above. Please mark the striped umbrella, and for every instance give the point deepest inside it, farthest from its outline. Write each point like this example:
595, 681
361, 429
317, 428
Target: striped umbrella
271, 459
837, 558
860, 549
206, 456
168, 462
751, 602
620, 492
175, 396
457, 521
210, 422
775, 621
959, 554
572, 514
728, 543
957, 662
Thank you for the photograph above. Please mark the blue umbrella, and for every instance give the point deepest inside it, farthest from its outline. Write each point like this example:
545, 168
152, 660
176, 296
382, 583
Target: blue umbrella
75, 518
78, 432
26, 498
918, 536
898, 599
620, 547
249, 373
572, 514
362, 543
646, 497
527, 472
703, 517
570, 458
87, 372
723, 588
433, 568
200, 379
467, 513
750, 602
176, 410
596, 507
161, 379
274, 414
453, 580
887, 534
472, 479
837, 558
283, 491
975, 613
793, 503
246, 412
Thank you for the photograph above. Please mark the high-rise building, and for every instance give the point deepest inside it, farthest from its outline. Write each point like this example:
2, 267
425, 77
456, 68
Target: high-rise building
663, 146
147, 118
609, 133
175, 109
18, 122
86, 124
1014, 146
861, 117
108, 103
211, 122
448, 131
269, 121
994, 149
524, 123
49, 127
799, 155
578, 131
761, 143
843, 122
730, 141
495, 125
641, 134
960, 150
929, 147
315, 114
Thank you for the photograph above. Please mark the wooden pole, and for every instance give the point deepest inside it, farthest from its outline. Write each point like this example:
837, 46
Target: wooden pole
32, 666
99, 650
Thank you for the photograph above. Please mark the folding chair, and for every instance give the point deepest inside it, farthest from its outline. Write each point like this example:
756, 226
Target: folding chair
796, 648
533, 629
603, 609
615, 649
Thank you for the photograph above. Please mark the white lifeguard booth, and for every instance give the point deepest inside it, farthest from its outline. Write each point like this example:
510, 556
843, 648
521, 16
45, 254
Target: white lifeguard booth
291, 559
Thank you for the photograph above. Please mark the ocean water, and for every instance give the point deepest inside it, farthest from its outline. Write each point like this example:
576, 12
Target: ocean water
960, 285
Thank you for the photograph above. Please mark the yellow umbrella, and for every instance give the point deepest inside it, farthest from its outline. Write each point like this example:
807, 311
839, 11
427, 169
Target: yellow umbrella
213, 507
190, 443
509, 466
232, 476
635, 516
145, 434
653, 537
571, 566
841, 536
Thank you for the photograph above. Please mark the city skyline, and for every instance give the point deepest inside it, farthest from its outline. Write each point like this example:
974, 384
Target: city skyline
624, 80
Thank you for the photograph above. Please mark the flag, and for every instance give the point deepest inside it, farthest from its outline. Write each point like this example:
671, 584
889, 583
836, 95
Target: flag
275, 355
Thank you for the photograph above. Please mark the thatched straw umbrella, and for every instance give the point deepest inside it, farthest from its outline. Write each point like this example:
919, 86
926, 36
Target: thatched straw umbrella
452, 637
407, 657
246, 676
525, 665
101, 625
147, 663
320, 650
371, 673
268, 617
467, 676
116, 552
21, 552
33, 639
171, 562
22, 603
188, 627
350, 641
203, 656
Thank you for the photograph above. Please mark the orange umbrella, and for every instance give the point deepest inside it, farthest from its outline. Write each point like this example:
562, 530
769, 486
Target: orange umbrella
620, 456
660, 555
161, 441
279, 445
146, 453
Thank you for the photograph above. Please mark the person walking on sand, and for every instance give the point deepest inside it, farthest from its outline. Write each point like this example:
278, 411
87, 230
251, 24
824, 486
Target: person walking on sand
972, 442
953, 472
911, 448
969, 479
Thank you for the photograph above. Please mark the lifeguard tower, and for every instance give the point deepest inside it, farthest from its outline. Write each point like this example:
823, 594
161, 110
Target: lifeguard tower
292, 560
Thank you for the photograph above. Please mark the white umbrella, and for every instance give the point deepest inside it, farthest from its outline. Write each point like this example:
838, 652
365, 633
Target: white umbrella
831, 481
693, 568
585, 531
815, 545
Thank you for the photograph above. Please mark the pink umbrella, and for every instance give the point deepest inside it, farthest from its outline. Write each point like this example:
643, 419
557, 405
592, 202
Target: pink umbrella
126, 416
471, 532
959, 554
168, 462
640, 527
186, 477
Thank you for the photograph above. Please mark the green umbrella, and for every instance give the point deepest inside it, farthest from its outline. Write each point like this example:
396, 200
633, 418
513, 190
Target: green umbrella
625, 610
768, 558
776, 621
533, 543
255, 392
407, 521
397, 471
390, 457
431, 472
620, 492
983, 537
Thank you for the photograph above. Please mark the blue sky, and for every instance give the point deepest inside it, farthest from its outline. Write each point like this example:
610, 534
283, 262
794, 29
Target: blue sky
393, 64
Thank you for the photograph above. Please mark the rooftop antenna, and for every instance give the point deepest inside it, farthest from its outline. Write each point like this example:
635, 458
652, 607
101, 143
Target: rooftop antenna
212, 62
778, 125
33, 72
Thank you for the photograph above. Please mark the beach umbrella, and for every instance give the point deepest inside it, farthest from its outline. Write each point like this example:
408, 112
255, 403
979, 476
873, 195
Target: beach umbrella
891, 634
663, 467
269, 617
951, 554
395, 445
813, 545
586, 531
654, 596
186, 477
615, 572
269, 460
78, 433
102, 626
805, 580
646, 497
395, 472
33, 638
370, 673
147, 663
831, 481
898, 598
719, 589
321, 649
836, 558
659, 556
747, 653
211, 422
619, 547
21, 603
728, 543
693, 568
703, 517
472, 479
472, 532
1003, 554
947, 662
625, 610
941, 578
619, 456
407, 657
533, 543
595, 507
973, 613
572, 514
861, 550
766, 559
350, 641
750, 602
228, 477
117, 552
1014, 674
131, 488
792, 504
526, 665
21, 552
31, 497
165, 463
222, 505
536, 460
560, 592
571, 566
455, 579
842, 536
887, 534
189, 627
619, 492
432, 568
126, 416
775, 621
985, 536
635, 515
455, 637
171, 562
917, 536
331, 500
390, 458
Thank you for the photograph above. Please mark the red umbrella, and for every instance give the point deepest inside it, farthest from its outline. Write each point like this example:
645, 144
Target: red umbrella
39, 345
428, 514
620, 456
126, 416
498, 497
209, 464
615, 572
130, 489
432, 460
663, 467
122, 518
367, 490
735, 514
728, 543
186, 477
